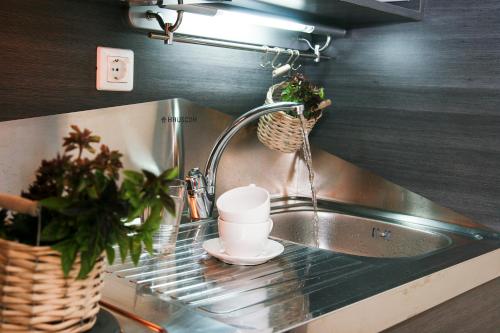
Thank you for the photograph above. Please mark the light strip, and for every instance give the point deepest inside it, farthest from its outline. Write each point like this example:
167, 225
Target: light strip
237, 18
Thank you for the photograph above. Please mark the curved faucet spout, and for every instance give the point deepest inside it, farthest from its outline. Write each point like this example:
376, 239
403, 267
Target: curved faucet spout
240, 122
206, 195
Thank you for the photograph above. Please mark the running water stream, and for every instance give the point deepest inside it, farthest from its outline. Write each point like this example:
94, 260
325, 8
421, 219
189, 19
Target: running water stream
306, 149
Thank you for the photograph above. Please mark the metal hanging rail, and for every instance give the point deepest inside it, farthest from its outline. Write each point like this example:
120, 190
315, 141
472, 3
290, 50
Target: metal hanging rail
239, 46
170, 37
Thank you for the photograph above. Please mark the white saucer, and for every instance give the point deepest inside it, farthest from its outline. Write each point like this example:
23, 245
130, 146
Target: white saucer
212, 246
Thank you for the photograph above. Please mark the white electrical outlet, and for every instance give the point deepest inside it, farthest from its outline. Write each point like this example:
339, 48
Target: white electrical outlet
115, 69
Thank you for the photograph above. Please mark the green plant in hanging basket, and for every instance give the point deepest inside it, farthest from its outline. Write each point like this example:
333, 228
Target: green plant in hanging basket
85, 210
299, 89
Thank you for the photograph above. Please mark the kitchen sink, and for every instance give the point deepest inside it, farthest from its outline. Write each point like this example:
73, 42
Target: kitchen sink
375, 237
361, 252
355, 235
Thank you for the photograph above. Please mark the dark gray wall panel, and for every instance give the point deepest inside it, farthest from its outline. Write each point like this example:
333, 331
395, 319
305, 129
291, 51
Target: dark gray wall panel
47, 62
419, 104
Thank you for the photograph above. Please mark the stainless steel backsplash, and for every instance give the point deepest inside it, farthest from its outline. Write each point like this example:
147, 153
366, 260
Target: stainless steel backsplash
158, 135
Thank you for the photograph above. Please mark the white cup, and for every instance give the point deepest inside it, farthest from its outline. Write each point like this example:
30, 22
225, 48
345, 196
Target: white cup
246, 204
244, 239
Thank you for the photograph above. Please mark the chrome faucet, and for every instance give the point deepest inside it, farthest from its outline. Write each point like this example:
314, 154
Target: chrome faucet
201, 188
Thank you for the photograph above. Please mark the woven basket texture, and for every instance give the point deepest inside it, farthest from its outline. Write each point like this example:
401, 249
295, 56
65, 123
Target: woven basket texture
279, 131
36, 298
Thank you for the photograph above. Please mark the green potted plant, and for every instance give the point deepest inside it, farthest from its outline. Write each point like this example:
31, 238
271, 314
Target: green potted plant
51, 264
283, 131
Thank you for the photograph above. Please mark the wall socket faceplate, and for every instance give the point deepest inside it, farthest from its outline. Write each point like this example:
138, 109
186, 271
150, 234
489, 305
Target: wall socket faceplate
115, 69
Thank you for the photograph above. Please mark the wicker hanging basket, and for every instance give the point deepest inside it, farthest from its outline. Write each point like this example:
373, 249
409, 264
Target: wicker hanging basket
280, 131
35, 296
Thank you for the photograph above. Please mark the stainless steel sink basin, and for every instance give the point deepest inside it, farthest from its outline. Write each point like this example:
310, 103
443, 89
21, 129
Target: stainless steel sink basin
355, 235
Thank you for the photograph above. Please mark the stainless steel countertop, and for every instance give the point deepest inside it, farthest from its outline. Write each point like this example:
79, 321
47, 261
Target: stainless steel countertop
189, 291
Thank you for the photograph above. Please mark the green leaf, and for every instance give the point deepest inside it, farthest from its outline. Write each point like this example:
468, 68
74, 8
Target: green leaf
87, 263
92, 192
134, 177
68, 250
81, 208
167, 202
154, 218
110, 253
55, 203
100, 180
135, 249
55, 231
170, 174
152, 223
151, 177
321, 93
147, 238
123, 244
137, 212
83, 238
95, 138
82, 185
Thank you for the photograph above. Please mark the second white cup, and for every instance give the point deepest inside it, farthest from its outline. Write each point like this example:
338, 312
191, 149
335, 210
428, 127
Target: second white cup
244, 239
245, 204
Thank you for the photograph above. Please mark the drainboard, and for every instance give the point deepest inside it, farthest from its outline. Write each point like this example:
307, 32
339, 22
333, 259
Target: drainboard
300, 285
192, 278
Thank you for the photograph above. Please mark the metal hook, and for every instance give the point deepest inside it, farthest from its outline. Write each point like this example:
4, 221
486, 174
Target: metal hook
169, 34
178, 20
286, 67
168, 28
265, 61
297, 53
317, 49
278, 52
292, 53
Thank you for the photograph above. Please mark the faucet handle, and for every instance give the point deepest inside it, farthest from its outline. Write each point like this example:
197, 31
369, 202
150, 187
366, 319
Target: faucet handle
198, 201
195, 180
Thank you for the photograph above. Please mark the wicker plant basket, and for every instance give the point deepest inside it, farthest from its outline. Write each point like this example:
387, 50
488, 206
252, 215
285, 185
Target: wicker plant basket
35, 296
279, 131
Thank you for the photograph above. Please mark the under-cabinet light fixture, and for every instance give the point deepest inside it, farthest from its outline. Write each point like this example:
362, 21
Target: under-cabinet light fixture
236, 18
